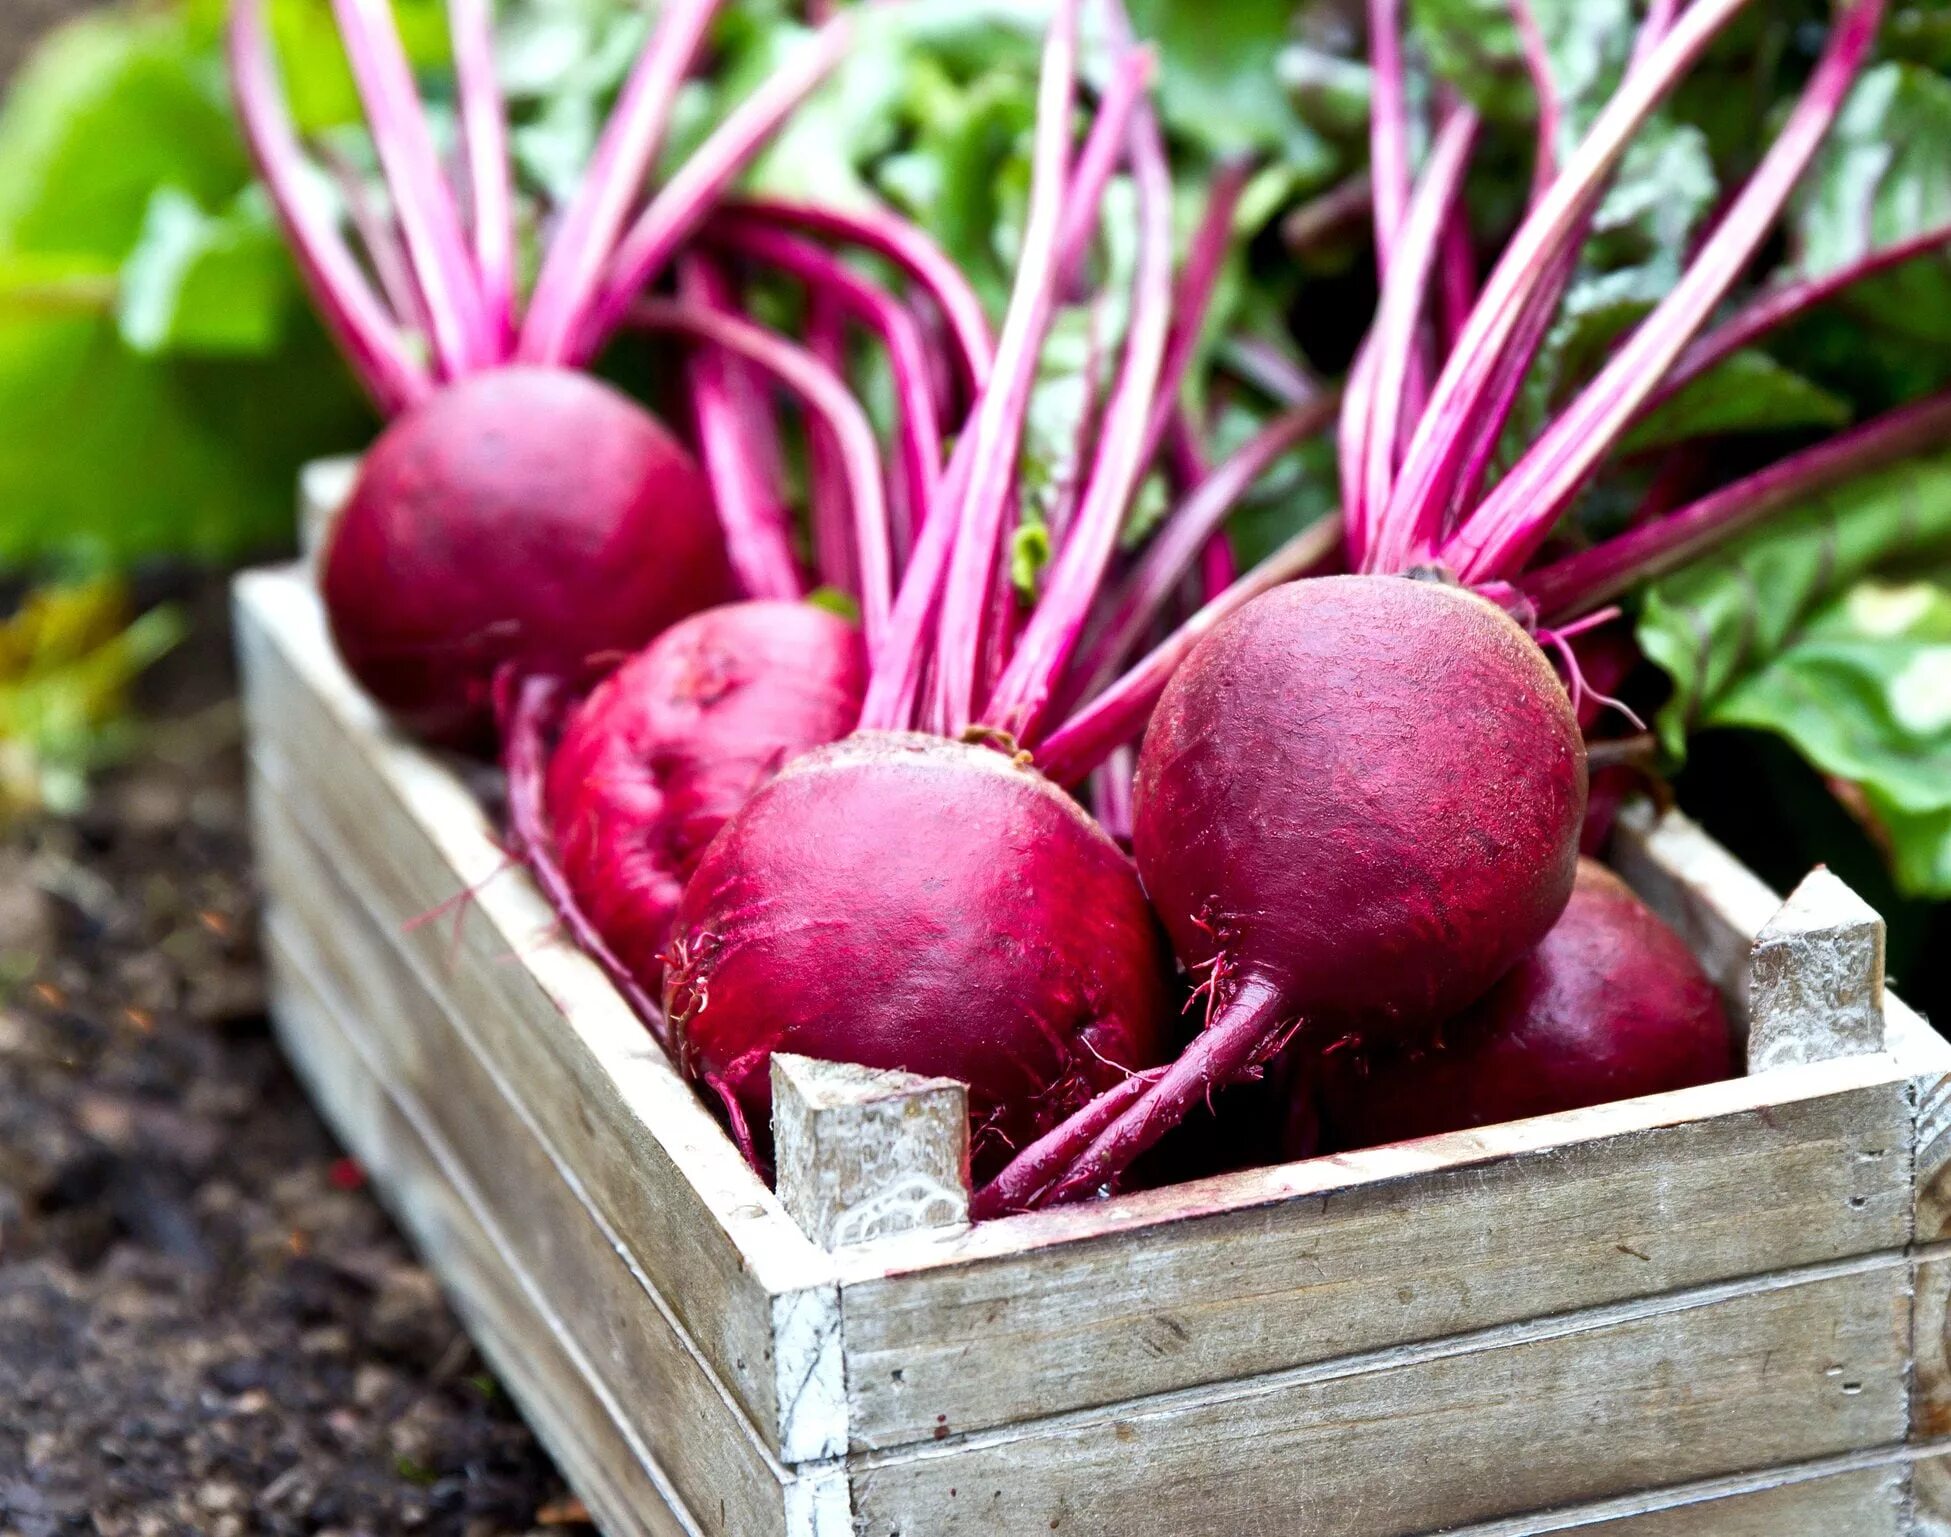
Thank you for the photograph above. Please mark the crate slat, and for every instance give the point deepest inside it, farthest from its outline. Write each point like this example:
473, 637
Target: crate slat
1424, 1438
751, 1290
1279, 1267
507, 1319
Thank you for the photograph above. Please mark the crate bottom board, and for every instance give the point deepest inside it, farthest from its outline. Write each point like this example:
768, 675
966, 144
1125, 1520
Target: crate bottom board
1861, 1495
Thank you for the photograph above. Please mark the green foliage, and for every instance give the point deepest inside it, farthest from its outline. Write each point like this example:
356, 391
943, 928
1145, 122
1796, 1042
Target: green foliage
1830, 628
160, 377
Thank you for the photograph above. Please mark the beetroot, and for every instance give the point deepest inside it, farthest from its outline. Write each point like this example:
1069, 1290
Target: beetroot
903, 901
668, 747
523, 516
1610, 1005
1358, 804
515, 514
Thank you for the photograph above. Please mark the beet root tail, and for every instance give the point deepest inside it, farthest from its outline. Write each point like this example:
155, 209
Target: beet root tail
1030, 1172
1249, 1029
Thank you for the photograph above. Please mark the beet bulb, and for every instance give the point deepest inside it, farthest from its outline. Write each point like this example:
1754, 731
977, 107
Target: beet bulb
670, 745
1610, 1005
905, 901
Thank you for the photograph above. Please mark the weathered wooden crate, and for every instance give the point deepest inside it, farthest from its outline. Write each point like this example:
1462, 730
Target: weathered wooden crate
1718, 1311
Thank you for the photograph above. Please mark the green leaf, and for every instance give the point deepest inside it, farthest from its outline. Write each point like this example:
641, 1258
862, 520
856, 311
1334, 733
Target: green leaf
1863, 692
108, 110
1885, 174
1473, 44
198, 283
1749, 392
1719, 626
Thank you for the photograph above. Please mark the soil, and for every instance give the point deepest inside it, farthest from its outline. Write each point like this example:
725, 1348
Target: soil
206, 1323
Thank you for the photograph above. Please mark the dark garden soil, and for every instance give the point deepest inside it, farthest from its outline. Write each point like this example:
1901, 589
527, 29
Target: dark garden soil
206, 1323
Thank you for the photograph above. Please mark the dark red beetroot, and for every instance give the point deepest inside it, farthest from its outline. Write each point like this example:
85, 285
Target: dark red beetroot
1358, 804
654, 762
531, 516
905, 901
1611, 1005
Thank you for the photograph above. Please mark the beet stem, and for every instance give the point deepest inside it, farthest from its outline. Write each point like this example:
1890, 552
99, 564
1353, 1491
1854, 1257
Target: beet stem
1446, 430
909, 248
1023, 692
997, 425
1119, 714
826, 395
880, 312
1188, 528
1776, 307
381, 238
1521, 511
895, 680
685, 200
579, 255
371, 339
1104, 148
484, 131
1580, 583
423, 202
757, 532
1551, 108
826, 476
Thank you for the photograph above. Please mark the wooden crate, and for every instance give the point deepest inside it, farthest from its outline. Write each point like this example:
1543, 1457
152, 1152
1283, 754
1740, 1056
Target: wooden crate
1722, 1310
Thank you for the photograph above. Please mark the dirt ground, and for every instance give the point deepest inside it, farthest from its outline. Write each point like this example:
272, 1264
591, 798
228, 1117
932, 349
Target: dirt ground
206, 1323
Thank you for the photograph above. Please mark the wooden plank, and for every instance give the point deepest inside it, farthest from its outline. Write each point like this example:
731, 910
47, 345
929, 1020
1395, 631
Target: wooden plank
1803, 1502
507, 1317
1815, 978
1280, 1267
1927, 1056
1931, 1496
749, 1288
637, 1352
1538, 1416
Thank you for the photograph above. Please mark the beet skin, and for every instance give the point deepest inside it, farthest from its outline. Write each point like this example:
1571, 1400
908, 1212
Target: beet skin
905, 901
1363, 792
670, 745
524, 515
1358, 804
1610, 1006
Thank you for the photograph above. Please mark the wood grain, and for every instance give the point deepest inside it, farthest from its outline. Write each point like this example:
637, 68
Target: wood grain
522, 1337
749, 1288
1815, 978
1831, 1499
1538, 1417
1280, 1267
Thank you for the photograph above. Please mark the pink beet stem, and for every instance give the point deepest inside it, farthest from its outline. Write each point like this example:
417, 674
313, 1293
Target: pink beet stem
909, 248
1578, 584
1518, 515
484, 130
1124, 447
371, 340
827, 397
895, 679
1768, 311
380, 237
997, 426
1446, 431
1259, 363
579, 255
1186, 530
826, 474
1027, 1175
1551, 110
1192, 301
684, 201
423, 202
1400, 323
1247, 1030
1388, 131
1104, 148
757, 529
1119, 714
530, 707
1457, 293
871, 306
